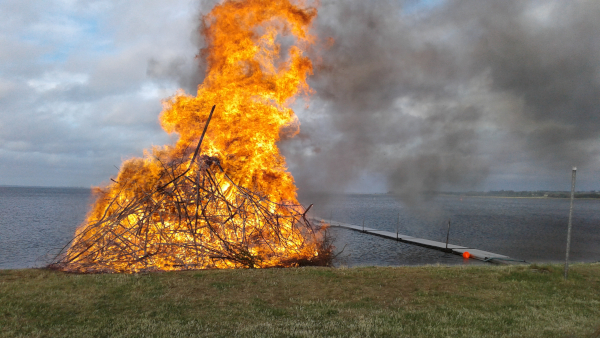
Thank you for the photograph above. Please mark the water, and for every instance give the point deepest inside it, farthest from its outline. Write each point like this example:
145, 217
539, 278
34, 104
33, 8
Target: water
37, 222
534, 230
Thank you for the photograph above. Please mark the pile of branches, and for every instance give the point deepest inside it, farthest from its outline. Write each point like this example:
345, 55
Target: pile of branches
191, 215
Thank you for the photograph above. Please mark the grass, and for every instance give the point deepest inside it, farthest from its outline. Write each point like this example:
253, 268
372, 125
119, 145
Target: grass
429, 301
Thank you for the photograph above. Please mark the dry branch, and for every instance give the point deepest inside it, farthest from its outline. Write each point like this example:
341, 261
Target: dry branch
192, 215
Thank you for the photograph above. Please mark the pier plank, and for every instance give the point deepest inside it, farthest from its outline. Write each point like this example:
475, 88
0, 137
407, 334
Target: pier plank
389, 234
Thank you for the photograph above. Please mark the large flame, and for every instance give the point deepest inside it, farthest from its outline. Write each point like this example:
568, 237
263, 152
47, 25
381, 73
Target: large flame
251, 85
256, 67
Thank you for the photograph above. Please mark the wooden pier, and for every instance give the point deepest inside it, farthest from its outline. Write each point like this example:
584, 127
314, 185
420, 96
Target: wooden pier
451, 248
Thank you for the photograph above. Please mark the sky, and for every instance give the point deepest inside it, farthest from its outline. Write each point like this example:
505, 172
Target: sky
410, 96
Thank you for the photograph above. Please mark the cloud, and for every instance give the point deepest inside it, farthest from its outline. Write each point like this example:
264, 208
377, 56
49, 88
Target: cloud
6, 88
76, 94
57, 81
411, 96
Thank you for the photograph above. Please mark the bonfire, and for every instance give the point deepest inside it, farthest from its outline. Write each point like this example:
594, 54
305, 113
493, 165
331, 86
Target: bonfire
222, 196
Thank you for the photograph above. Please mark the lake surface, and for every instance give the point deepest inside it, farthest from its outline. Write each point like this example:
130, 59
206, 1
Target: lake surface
35, 223
532, 229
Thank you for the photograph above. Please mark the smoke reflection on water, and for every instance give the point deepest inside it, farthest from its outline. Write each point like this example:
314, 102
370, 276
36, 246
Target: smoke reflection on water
36, 222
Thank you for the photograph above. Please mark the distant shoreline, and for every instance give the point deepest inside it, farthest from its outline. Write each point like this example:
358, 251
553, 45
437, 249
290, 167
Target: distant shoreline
525, 194
521, 197
42, 187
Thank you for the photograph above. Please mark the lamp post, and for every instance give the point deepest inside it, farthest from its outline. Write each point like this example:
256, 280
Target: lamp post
574, 173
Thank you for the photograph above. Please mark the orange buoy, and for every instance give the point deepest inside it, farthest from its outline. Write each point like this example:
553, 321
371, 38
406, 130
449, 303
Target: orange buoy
466, 255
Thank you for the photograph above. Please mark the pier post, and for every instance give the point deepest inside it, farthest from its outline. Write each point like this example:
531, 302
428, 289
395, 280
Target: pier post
398, 226
573, 174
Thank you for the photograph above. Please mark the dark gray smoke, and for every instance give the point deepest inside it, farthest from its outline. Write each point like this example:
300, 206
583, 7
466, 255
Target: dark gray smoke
440, 99
462, 95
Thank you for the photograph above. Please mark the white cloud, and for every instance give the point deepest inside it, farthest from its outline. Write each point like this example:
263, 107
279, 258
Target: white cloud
6, 87
152, 91
75, 86
58, 81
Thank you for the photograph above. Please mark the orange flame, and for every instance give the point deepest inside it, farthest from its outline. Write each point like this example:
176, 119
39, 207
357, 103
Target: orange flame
252, 86
256, 68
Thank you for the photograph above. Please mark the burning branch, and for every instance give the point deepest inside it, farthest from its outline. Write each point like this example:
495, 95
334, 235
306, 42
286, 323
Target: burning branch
192, 215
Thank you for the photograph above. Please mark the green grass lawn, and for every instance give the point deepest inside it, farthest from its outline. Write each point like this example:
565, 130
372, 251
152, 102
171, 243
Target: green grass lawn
429, 301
